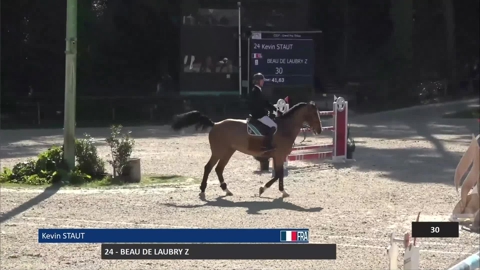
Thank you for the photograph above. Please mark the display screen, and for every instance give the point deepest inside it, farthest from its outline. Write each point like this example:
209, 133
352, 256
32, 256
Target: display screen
284, 59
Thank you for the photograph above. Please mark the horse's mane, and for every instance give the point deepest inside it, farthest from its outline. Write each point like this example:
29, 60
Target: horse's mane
292, 110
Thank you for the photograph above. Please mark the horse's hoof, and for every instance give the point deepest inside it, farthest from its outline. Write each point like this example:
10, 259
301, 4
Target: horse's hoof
260, 192
201, 195
285, 194
228, 193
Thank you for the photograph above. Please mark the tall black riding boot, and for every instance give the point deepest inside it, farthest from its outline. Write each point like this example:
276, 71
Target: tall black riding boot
269, 139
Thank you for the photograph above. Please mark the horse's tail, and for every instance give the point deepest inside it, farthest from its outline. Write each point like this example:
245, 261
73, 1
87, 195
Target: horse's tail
192, 118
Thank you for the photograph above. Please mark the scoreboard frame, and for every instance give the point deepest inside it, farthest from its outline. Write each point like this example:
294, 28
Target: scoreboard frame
312, 32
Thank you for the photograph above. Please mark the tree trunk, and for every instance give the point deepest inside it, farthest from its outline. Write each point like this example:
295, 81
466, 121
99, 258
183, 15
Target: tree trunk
401, 13
449, 13
345, 37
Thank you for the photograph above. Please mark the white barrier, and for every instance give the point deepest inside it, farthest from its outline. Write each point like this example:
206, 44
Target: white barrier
411, 257
339, 129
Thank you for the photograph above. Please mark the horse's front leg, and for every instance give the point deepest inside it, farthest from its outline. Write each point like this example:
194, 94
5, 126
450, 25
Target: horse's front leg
273, 180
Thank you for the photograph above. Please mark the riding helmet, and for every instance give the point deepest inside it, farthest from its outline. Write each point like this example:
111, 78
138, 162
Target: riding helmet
257, 77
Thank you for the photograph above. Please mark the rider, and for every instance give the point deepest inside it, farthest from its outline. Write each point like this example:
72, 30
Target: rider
259, 105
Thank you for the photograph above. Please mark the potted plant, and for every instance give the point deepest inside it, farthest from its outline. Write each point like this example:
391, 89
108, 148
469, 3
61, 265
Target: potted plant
350, 144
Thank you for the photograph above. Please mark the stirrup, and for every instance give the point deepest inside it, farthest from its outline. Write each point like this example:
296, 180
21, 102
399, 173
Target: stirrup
268, 148
264, 151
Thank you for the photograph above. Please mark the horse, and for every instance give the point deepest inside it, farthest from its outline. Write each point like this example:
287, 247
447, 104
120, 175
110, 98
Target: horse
230, 135
469, 203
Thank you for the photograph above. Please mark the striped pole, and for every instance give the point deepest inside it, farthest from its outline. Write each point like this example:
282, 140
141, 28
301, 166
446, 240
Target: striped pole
318, 155
328, 128
470, 263
313, 147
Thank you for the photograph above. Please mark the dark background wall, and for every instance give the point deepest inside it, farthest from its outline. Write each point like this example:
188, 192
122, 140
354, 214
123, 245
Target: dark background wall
137, 48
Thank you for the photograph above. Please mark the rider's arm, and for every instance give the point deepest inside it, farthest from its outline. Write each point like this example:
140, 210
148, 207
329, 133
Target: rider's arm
268, 105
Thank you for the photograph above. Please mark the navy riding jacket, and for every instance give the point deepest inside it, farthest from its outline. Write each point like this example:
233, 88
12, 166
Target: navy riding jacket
258, 104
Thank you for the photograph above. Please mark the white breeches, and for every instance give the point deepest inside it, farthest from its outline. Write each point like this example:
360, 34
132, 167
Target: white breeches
268, 121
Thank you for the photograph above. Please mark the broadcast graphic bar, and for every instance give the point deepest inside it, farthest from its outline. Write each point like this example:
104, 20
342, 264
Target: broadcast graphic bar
173, 236
218, 252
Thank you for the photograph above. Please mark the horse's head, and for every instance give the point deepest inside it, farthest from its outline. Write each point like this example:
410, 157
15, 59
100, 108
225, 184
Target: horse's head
305, 112
312, 117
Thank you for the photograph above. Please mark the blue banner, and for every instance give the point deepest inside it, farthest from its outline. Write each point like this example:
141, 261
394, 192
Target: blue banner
173, 236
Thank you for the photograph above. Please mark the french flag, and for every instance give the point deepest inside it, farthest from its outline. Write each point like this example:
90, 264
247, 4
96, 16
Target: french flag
288, 236
256, 55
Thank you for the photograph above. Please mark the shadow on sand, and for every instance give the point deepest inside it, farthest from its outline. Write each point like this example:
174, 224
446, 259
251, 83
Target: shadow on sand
427, 146
47, 193
253, 207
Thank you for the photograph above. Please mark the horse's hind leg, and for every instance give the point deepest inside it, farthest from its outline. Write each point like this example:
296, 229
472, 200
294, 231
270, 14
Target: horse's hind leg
280, 181
221, 166
206, 171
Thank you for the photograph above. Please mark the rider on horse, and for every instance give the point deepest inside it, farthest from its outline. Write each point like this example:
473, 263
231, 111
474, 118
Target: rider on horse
259, 107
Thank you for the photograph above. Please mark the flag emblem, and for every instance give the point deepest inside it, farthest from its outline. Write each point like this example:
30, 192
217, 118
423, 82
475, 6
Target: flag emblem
288, 236
256, 55
293, 236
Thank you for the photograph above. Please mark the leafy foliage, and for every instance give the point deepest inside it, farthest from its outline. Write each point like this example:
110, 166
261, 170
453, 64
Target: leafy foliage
87, 157
358, 47
49, 168
121, 147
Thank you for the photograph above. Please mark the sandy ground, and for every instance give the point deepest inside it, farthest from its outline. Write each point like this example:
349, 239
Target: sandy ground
404, 164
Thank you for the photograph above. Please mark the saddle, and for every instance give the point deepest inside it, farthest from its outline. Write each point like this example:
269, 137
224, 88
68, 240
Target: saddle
256, 128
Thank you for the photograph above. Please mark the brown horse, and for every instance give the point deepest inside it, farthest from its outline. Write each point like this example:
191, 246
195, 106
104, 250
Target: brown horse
230, 135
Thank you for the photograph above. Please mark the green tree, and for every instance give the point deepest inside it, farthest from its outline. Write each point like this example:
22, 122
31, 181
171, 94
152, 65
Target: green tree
401, 45
449, 14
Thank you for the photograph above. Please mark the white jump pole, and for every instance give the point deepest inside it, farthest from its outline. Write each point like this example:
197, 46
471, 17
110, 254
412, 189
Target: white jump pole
472, 262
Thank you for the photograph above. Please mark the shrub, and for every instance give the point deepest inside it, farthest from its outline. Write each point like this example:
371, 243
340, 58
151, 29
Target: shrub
121, 147
47, 164
6, 175
19, 173
75, 177
50, 168
87, 158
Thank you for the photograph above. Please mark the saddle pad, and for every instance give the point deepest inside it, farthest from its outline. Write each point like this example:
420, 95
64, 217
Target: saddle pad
253, 131
256, 128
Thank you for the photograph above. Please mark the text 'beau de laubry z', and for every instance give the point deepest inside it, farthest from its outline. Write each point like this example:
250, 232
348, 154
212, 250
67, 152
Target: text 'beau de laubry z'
155, 251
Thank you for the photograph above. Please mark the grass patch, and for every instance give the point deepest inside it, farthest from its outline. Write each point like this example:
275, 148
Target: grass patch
108, 183
15, 185
469, 113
